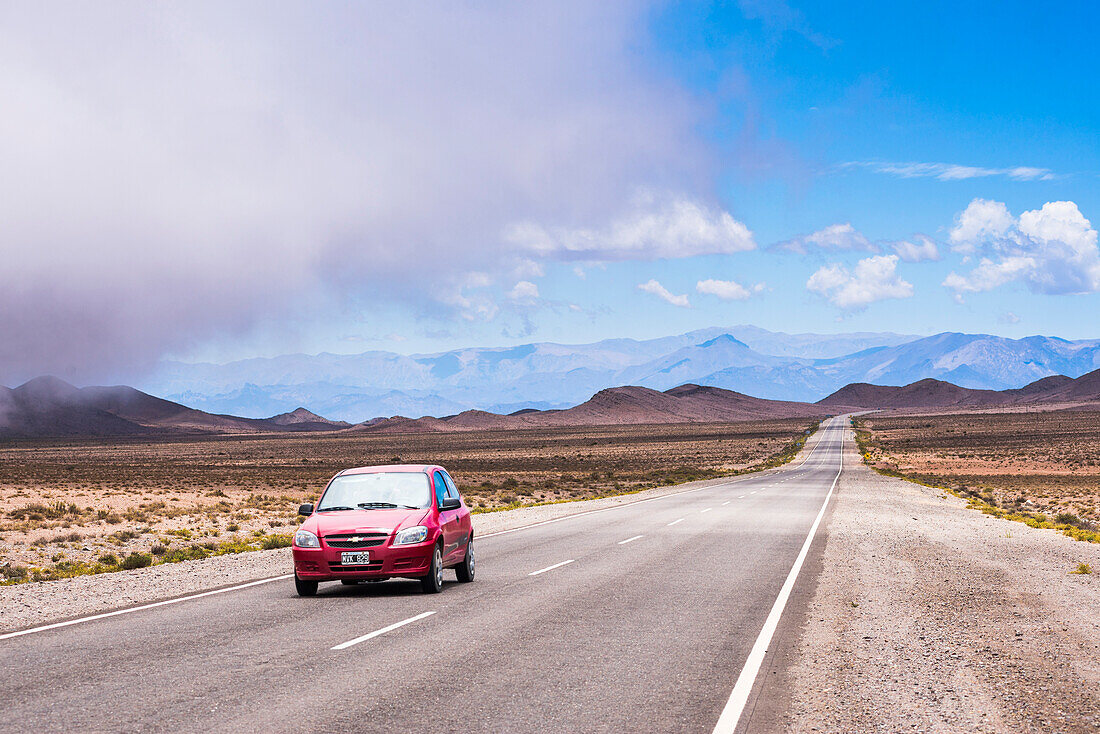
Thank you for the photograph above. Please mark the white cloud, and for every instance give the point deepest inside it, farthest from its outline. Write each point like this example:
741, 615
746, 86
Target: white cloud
1052, 250
655, 227
728, 290
874, 279
466, 295
833, 237
528, 269
981, 221
952, 171
524, 292
918, 248
652, 286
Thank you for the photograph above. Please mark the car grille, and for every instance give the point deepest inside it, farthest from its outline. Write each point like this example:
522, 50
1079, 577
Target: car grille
372, 566
355, 540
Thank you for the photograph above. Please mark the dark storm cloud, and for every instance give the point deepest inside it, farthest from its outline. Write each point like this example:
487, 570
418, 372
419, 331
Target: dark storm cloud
173, 173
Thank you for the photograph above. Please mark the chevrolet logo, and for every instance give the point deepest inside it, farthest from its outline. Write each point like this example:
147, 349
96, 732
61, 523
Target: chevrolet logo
354, 539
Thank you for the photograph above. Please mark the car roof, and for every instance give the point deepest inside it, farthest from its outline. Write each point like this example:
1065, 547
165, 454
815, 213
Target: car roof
410, 468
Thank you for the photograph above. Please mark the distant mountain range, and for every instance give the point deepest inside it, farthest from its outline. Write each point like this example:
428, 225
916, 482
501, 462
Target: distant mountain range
49, 407
629, 405
744, 359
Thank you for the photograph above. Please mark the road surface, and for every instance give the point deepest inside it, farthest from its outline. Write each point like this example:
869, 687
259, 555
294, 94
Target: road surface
641, 617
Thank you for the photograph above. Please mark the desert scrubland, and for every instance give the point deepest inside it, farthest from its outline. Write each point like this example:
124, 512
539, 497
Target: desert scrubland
1037, 466
69, 507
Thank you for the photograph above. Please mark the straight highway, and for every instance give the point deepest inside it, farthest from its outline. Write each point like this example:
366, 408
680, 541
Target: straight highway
650, 616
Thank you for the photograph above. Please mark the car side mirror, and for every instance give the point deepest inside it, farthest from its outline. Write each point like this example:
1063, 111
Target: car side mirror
306, 509
450, 503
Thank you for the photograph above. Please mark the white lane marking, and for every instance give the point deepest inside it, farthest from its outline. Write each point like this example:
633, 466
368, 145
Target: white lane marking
166, 602
384, 630
725, 503
706, 510
753, 492
741, 497
674, 522
731, 714
630, 540
551, 568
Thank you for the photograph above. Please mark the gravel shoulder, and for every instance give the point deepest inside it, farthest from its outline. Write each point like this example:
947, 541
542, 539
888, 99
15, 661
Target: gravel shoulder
928, 616
38, 603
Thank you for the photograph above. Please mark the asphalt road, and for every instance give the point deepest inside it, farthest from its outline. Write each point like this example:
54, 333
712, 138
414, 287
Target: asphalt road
643, 621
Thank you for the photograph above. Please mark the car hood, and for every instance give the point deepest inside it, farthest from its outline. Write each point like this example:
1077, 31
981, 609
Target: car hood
363, 521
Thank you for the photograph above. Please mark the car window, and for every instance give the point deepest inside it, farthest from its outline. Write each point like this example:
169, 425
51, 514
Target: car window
452, 490
440, 486
376, 490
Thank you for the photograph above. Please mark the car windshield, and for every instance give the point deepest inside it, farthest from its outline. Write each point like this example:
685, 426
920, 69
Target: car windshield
377, 491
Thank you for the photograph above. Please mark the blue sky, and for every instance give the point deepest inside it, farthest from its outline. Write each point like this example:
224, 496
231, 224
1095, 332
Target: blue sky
224, 184
812, 107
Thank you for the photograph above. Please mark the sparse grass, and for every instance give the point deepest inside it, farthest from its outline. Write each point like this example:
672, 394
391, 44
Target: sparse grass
1083, 569
159, 554
898, 447
136, 560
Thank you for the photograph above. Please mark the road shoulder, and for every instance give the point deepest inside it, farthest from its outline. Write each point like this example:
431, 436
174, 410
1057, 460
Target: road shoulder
928, 616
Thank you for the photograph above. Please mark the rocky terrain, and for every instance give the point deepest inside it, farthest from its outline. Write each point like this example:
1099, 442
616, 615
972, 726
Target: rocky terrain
928, 616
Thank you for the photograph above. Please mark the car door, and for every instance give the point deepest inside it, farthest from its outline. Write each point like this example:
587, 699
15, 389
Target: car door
449, 522
465, 524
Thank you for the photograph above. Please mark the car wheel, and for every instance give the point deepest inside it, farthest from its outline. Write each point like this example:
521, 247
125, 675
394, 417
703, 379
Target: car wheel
305, 588
465, 570
433, 582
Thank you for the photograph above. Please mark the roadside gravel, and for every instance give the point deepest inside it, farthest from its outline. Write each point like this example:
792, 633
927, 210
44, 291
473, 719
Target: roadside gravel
928, 616
33, 604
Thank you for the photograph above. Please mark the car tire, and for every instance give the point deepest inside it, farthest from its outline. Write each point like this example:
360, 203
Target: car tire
433, 582
465, 570
305, 588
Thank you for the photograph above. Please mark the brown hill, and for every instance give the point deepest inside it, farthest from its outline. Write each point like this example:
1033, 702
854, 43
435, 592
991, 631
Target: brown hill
47, 406
1085, 388
50, 407
301, 419
398, 424
927, 393
616, 406
938, 394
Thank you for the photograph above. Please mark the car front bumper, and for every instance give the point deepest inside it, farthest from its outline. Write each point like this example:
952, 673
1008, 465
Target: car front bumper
386, 561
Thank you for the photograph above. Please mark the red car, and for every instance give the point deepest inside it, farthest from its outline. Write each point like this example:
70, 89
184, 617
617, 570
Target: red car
380, 522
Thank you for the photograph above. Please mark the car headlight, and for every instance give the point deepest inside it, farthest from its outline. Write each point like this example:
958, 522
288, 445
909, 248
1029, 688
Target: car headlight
410, 535
306, 539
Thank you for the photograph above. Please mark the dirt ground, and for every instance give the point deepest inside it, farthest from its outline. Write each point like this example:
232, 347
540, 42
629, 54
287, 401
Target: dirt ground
930, 617
70, 506
1046, 462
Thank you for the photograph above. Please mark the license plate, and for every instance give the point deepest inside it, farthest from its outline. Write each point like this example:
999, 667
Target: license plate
355, 559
